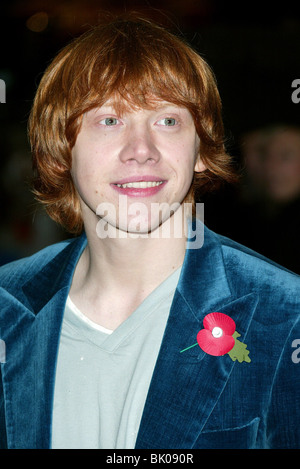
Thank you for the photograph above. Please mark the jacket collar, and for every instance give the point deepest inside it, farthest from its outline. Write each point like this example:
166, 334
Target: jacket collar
54, 276
203, 264
203, 273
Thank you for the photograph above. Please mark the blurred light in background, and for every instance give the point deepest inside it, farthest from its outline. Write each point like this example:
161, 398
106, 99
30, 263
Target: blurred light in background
38, 22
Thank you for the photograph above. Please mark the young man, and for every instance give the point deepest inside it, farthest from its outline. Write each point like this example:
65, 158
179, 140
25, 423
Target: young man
147, 330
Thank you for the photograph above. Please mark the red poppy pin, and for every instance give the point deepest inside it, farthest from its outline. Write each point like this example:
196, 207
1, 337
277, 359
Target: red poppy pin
220, 337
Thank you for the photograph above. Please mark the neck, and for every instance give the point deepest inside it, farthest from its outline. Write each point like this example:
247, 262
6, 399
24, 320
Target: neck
115, 275
135, 262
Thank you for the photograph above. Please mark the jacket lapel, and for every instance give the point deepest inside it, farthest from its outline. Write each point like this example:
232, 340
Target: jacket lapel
186, 386
31, 335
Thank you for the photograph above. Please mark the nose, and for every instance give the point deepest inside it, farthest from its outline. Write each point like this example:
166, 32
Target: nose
139, 147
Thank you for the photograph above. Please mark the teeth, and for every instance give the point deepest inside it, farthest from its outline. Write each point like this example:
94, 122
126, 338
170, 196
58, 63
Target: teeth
140, 185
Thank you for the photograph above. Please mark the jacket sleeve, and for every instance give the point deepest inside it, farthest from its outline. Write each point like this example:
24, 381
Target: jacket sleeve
3, 439
283, 428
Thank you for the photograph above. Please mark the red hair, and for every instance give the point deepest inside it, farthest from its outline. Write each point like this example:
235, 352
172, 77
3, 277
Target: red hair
134, 59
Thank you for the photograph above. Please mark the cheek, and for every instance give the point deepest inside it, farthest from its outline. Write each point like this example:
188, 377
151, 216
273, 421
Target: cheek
84, 161
83, 173
185, 160
184, 164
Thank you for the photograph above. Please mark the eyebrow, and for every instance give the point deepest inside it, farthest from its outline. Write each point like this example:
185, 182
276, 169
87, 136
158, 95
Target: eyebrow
162, 106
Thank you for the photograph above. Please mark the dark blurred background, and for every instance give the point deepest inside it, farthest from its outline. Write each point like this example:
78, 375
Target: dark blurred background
253, 48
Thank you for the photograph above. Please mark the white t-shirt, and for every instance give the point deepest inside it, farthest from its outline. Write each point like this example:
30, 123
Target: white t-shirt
103, 376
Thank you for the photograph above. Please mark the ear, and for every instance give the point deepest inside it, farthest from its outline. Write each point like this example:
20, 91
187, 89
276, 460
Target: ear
199, 166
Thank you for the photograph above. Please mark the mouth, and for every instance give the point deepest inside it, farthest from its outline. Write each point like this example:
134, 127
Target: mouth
140, 184
143, 187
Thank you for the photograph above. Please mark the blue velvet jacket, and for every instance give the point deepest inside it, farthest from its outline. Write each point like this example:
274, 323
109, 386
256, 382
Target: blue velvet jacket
195, 400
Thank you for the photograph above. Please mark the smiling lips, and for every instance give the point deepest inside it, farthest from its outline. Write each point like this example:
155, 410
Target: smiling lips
139, 187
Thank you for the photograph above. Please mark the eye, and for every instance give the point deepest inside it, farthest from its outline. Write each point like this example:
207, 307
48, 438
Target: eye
168, 121
109, 121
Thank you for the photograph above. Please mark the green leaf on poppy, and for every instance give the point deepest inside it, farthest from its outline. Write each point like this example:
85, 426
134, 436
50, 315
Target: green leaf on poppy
239, 351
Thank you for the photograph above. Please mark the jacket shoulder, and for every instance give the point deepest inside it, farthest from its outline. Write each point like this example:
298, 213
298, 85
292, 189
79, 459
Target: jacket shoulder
249, 269
19, 270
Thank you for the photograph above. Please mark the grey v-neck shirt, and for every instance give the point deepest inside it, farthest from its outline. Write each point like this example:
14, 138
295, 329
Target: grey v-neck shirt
103, 377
